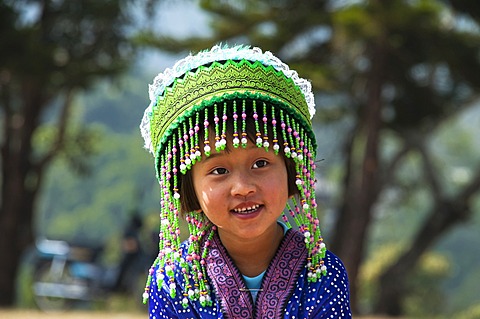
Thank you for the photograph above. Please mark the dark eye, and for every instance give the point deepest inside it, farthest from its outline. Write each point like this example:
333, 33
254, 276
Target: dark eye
220, 171
260, 164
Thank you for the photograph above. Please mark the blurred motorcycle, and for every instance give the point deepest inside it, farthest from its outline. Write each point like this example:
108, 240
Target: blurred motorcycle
66, 276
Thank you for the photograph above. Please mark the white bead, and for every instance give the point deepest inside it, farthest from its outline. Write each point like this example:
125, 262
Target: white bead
176, 196
305, 206
266, 144
244, 140
259, 140
145, 295
202, 299
307, 234
172, 285
183, 167
207, 148
188, 161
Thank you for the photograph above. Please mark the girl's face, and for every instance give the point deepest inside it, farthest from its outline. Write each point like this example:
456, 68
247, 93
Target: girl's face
242, 191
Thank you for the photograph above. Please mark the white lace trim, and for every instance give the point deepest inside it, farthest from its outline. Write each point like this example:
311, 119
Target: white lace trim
218, 53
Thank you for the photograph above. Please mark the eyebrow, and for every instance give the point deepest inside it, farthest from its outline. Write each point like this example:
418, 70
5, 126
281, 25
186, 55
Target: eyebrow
213, 155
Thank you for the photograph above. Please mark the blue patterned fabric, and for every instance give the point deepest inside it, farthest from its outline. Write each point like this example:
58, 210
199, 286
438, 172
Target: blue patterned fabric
285, 290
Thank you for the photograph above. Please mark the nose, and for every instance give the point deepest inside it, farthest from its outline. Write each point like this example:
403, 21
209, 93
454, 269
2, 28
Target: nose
242, 184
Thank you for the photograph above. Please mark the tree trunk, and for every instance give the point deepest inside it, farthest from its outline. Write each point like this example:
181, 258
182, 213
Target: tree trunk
15, 223
361, 181
20, 185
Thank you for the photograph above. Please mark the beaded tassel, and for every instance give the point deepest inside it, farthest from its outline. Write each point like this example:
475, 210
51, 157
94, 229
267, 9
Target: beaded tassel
236, 140
258, 135
266, 143
223, 136
244, 125
206, 141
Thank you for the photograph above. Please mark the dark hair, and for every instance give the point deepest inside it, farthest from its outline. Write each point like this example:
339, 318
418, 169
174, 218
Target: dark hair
188, 198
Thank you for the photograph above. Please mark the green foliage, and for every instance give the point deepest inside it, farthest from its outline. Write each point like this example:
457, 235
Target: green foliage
473, 312
98, 205
95, 206
426, 295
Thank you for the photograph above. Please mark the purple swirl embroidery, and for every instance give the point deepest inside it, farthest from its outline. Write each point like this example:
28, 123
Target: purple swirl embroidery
278, 282
281, 276
227, 282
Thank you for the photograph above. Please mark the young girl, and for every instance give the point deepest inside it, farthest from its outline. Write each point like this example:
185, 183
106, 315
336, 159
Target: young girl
230, 130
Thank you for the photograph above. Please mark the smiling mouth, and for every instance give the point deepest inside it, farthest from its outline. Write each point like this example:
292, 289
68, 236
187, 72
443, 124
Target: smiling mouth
246, 210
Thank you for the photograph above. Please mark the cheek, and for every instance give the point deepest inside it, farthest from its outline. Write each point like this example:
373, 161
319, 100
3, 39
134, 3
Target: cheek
209, 197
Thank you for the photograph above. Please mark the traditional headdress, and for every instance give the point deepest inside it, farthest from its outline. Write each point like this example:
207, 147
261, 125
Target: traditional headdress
192, 97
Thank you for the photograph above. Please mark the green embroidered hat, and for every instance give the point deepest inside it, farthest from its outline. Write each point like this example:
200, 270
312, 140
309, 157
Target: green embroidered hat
220, 74
201, 95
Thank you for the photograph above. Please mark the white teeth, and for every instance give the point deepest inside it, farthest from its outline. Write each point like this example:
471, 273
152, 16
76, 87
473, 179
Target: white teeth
246, 209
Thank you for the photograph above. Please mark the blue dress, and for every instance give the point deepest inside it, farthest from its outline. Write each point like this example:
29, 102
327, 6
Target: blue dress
285, 291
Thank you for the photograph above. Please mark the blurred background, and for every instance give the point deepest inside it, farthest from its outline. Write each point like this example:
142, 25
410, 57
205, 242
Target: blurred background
397, 87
